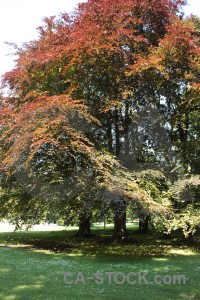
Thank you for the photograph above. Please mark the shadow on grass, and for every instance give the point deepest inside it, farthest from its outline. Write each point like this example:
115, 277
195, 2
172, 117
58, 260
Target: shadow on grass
102, 243
30, 273
33, 264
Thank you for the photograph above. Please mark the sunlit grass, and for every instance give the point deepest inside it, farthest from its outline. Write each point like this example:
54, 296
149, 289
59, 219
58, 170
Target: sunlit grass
33, 264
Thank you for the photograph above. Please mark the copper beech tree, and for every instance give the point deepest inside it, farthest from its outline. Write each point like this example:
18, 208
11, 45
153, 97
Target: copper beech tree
69, 122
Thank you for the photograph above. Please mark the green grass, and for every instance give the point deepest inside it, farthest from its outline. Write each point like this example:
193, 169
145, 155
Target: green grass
33, 264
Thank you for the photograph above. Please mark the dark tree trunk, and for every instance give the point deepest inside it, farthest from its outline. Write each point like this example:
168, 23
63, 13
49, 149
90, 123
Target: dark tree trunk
143, 224
183, 136
120, 220
109, 137
117, 134
126, 134
84, 226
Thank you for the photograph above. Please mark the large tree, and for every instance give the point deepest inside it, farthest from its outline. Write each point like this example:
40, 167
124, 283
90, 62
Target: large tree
116, 76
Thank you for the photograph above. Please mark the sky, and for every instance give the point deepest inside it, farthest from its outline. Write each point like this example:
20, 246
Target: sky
20, 18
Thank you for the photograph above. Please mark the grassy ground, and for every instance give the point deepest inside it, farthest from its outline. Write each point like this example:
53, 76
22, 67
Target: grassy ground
33, 264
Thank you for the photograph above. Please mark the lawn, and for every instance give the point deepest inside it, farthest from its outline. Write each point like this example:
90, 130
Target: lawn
33, 264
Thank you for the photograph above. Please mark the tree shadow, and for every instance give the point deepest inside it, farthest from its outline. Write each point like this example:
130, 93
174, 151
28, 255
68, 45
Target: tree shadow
33, 273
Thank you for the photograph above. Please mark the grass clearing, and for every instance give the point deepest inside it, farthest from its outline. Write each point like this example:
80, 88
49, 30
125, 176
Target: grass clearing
33, 264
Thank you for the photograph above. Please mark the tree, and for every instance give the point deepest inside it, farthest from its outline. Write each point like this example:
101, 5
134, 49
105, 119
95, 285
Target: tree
185, 193
76, 94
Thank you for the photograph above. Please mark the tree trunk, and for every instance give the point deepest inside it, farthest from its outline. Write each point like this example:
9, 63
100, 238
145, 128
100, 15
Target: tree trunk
126, 133
143, 224
120, 220
109, 137
183, 136
84, 226
117, 134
